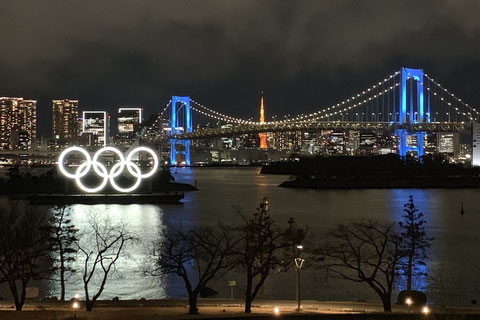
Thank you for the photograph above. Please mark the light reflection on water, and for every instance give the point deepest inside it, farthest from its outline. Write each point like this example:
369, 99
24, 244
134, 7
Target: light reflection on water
129, 281
451, 269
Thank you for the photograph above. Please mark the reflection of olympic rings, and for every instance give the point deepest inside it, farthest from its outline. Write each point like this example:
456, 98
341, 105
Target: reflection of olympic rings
102, 172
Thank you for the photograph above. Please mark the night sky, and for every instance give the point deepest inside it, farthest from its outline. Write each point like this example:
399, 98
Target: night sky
304, 55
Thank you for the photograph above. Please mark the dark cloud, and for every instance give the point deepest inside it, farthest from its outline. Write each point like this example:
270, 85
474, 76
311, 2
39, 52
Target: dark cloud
303, 54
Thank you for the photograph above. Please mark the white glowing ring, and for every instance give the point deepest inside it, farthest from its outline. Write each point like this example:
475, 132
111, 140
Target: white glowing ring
101, 171
100, 186
62, 157
138, 175
155, 161
105, 149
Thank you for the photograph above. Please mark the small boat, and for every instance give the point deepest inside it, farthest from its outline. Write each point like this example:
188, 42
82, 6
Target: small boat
462, 211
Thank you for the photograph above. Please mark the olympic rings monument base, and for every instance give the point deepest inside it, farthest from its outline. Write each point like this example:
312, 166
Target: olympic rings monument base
92, 199
94, 195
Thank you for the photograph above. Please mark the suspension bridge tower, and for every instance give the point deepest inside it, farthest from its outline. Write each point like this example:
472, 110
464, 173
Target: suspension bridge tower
180, 122
263, 136
412, 109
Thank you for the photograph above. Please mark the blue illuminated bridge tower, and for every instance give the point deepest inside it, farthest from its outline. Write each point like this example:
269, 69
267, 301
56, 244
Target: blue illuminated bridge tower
180, 122
413, 109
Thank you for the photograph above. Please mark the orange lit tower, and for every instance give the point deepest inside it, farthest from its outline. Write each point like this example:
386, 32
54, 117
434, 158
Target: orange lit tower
263, 136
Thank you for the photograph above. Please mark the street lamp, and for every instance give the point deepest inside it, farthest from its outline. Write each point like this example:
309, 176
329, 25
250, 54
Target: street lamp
409, 302
75, 306
425, 311
276, 311
265, 204
298, 265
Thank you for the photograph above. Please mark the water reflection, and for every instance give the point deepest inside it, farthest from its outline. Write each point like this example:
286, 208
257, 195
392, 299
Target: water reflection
128, 280
422, 199
452, 268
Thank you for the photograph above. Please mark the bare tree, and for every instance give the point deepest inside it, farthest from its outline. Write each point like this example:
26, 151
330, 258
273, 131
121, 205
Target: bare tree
63, 238
23, 243
197, 256
415, 243
262, 248
100, 248
365, 251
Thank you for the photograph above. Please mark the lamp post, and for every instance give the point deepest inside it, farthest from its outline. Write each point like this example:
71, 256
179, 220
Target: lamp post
75, 306
298, 265
409, 302
425, 311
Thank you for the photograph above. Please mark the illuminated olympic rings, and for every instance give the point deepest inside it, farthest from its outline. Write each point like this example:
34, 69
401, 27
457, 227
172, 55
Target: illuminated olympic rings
102, 171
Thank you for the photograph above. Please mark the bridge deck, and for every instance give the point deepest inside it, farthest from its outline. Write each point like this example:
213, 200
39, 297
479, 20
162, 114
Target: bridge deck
336, 125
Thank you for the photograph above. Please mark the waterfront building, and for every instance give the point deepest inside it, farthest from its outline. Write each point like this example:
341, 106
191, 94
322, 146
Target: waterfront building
287, 141
354, 141
476, 144
18, 120
449, 143
368, 144
19, 140
97, 123
338, 143
227, 142
386, 142
65, 119
129, 121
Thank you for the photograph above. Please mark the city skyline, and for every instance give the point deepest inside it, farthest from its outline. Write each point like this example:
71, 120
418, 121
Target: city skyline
322, 54
234, 158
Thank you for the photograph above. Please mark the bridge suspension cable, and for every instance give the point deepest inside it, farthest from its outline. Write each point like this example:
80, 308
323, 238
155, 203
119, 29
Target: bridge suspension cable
166, 107
217, 115
455, 98
328, 110
381, 103
335, 109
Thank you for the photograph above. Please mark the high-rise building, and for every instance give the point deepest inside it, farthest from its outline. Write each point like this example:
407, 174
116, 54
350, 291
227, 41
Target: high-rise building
129, 120
96, 123
449, 143
476, 144
17, 115
65, 119
20, 140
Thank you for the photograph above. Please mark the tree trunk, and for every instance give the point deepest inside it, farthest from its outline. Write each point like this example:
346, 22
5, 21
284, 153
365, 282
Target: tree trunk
409, 272
23, 293
14, 291
192, 303
248, 304
387, 304
62, 275
248, 294
89, 305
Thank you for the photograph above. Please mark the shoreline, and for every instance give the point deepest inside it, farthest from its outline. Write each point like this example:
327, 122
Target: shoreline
225, 309
92, 199
424, 183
